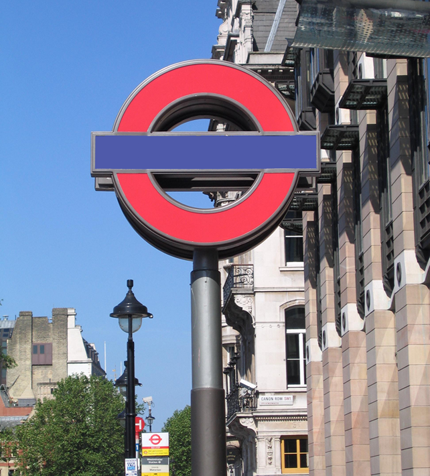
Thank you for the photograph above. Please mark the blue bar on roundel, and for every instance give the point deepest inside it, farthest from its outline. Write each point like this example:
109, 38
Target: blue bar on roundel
247, 152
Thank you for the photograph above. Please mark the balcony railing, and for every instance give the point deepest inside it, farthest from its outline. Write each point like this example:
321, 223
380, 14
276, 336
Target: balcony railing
240, 403
240, 276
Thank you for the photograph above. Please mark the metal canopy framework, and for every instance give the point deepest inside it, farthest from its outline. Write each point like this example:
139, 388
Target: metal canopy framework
364, 94
306, 201
344, 137
382, 27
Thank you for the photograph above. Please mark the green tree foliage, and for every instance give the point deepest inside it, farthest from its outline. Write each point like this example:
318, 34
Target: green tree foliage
76, 433
7, 361
179, 428
7, 445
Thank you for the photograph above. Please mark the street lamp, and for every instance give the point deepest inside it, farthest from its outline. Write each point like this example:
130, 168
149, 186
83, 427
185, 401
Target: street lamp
130, 313
150, 419
122, 382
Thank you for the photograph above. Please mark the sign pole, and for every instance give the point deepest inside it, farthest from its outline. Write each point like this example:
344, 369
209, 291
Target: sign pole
208, 440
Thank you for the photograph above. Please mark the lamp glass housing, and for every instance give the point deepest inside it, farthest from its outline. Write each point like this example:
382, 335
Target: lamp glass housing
136, 323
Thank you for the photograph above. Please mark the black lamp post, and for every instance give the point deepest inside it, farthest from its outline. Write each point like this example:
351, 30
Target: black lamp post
129, 313
121, 383
150, 419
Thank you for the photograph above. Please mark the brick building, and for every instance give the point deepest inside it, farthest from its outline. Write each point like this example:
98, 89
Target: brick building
47, 351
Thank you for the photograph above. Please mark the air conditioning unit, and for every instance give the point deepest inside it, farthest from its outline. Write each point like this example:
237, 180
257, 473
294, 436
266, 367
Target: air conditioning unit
342, 116
365, 69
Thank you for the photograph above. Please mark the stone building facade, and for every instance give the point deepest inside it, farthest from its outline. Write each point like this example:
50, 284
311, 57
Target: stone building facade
47, 351
264, 360
263, 290
366, 230
6, 330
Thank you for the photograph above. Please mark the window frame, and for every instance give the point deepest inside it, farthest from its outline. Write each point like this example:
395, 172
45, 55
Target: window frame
301, 333
39, 357
298, 469
293, 219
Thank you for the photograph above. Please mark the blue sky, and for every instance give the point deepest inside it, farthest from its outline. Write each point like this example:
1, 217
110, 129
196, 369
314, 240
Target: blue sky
66, 69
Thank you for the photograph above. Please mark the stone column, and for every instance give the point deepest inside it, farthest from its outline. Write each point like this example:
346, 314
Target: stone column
357, 452
380, 338
315, 394
332, 352
412, 299
413, 356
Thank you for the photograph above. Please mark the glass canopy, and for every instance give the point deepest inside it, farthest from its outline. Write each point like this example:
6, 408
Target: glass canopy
395, 27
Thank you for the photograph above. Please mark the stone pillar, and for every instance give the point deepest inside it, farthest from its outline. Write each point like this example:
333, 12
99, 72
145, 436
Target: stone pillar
332, 352
315, 394
412, 299
357, 451
413, 356
380, 338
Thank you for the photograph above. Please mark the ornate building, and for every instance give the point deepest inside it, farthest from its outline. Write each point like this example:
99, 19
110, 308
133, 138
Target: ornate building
264, 359
366, 233
264, 293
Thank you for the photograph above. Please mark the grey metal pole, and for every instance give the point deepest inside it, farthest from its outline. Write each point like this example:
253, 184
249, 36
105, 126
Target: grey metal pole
208, 441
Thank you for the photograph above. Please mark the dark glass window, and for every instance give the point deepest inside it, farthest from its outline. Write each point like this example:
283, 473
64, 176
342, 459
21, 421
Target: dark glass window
293, 235
295, 318
293, 246
295, 346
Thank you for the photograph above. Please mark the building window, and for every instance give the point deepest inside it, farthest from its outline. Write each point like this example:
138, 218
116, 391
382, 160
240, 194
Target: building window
293, 236
295, 457
42, 354
295, 346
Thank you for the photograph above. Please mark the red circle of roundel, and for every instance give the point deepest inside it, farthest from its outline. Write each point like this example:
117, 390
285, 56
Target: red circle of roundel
178, 229
218, 78
155, 439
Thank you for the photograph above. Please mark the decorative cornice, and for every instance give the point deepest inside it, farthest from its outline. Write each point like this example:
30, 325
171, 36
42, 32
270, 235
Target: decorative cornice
244, 419
281, 418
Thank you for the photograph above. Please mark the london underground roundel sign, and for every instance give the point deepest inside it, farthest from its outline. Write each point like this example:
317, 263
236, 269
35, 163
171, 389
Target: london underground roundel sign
262, 155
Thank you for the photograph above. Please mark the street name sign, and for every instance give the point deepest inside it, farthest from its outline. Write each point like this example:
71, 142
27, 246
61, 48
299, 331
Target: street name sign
276, 399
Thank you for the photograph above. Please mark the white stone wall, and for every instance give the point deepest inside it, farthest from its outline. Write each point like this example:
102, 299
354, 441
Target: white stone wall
77, 359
